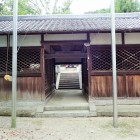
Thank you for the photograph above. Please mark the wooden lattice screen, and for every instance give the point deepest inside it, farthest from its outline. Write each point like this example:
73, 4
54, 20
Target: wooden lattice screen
28, 60
127, 58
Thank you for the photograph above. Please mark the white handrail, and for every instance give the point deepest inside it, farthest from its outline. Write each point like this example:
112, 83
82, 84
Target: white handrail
58, 80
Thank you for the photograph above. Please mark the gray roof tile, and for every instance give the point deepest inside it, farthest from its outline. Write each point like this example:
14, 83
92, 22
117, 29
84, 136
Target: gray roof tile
71, 23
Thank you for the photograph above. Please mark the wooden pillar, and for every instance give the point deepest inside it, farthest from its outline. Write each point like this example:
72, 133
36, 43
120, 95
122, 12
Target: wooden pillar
124, 74
89, 65
42, 69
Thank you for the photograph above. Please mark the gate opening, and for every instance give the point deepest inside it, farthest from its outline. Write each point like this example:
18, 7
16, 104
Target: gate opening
68, 76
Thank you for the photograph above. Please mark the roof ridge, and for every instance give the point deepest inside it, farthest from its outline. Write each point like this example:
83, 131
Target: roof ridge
70, 16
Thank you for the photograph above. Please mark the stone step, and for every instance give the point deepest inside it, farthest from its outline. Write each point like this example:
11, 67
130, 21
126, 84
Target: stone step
71, 80
69, 113
69, 87
73, 76
69, 74
67, 107
66, 82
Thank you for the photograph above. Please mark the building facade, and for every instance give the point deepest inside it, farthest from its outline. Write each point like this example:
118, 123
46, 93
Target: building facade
45, 41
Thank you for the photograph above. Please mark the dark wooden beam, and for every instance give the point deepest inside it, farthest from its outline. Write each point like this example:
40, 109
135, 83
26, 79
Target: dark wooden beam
88, 37
29, 74
66, 55
117, 46
64, 41
123, 38
65, 63
109, 73
8, 40
68, 32
42, 37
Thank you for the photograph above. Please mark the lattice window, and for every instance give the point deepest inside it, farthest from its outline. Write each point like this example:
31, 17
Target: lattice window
28, 60
3, 59
101, 59
127, 59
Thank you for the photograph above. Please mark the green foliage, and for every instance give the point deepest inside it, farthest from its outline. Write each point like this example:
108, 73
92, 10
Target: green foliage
121, 6
23, 8
124, 6
99, 11
35, 7
65, 9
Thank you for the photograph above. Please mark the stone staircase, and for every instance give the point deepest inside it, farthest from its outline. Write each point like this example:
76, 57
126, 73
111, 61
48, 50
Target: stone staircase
69, 81
72, 110
66, 103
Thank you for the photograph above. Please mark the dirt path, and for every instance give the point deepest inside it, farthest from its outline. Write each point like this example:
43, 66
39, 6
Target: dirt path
70, 129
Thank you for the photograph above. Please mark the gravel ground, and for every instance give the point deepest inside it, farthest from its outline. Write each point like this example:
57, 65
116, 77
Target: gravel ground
70, 129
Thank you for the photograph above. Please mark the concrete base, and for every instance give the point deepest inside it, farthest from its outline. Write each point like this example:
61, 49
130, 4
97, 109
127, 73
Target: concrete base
126, 107
73, 104
92, 106
24, 108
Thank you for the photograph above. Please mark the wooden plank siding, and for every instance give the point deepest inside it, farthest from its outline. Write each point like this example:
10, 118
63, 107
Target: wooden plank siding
133, 85
28, 88
128, 84
101, 86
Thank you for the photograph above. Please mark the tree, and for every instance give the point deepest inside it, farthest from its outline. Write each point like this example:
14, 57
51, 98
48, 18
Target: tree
65, 8
121, 6
24, 8
124, 6
43, 6
36, 7
99, 11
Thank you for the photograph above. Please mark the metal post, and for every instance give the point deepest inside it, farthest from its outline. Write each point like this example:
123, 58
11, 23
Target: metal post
114, 72
14, 64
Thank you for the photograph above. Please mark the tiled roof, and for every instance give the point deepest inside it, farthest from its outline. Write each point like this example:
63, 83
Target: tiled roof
71, 23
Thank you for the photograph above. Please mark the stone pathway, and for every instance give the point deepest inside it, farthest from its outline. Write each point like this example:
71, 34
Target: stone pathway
67, 97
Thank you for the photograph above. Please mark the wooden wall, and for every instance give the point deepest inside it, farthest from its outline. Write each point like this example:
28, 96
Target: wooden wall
128, 71
28, 88
127, 86
133, 85
101, 86
30, 75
